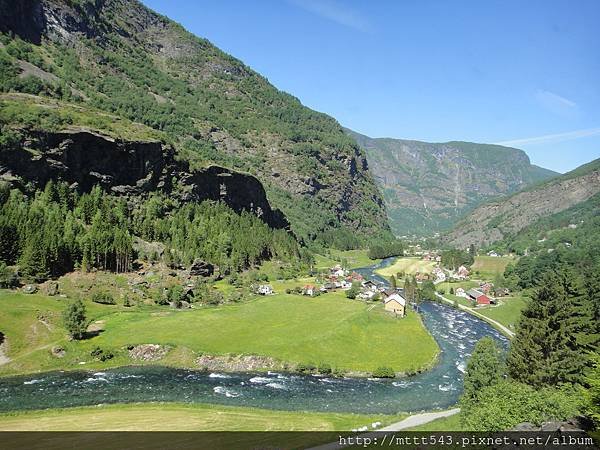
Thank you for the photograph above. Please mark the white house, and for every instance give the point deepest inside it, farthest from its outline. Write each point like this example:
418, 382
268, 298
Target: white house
264, 289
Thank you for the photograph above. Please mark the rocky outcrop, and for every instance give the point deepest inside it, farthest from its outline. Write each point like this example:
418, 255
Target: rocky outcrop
85, 159
427, 187
216, 105
201, 268
493, 221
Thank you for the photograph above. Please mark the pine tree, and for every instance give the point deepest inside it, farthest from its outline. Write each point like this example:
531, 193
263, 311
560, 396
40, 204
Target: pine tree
545, 350
75, 319
393, 283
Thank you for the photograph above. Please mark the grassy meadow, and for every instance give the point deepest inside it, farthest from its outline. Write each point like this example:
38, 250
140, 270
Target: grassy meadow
507, 312
408, 265
348, 335
487, 267
183, 417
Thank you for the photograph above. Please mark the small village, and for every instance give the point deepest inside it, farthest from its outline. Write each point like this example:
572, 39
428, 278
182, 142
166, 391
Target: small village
392, 297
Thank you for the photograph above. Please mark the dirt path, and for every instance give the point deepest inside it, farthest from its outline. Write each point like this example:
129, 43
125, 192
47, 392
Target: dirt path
3, 358
420, 419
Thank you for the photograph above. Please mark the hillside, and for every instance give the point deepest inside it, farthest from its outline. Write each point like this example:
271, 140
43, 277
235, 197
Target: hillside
531, 212
427, 187
120, 58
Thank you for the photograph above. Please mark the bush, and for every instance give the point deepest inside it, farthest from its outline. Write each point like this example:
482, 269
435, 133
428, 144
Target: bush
324, 369
103, 298
102, 355
506, 404
384, 372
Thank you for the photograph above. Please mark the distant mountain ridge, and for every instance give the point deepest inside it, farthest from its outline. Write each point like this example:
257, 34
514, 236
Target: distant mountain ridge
506, 218
427, 187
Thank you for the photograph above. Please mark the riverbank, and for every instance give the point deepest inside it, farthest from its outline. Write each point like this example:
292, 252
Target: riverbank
497, 325
277, 332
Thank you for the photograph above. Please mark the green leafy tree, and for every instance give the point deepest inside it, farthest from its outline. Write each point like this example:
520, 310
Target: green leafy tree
506, 404
353, 291
485, 368
75, 320
393, 282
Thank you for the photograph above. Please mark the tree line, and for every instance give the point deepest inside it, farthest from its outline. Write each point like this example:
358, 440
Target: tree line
56, 230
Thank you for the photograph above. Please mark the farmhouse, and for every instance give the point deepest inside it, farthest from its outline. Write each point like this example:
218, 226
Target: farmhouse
369, 285
460, 292
395, 303
309, 289
264, 289
478, 297
462, 272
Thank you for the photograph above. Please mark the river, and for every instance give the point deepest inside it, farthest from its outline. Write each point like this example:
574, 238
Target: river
456, 332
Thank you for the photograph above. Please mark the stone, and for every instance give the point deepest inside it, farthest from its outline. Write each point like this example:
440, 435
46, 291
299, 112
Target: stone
30, 289
201, 268
52, 288
58, 352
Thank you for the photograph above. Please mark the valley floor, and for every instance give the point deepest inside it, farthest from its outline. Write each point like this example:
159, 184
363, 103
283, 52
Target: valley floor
347, 335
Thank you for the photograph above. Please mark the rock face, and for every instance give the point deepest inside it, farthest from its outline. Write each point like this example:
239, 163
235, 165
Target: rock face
201, 268
222, 112
493, 221
85, 159
428, 187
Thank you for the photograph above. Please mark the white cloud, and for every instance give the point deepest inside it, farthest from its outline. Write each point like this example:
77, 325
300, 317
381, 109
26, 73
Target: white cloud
335, 12
552, 137
555, 103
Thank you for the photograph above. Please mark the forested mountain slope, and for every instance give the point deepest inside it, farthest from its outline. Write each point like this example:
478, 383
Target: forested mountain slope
119, 57
427, 187
534, 211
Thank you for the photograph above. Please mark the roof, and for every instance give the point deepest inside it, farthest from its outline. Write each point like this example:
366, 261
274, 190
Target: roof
397, 298
474, 293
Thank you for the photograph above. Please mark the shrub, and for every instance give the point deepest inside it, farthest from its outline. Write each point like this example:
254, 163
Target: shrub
384, 372
324, 369
103, 298
102, 355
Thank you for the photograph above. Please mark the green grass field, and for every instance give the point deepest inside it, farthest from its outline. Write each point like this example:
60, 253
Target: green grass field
408, 266
183, 417
489, 266
507, 312
352, 258
331, 329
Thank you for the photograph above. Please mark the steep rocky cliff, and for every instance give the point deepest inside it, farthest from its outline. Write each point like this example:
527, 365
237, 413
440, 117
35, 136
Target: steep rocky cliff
121, 58
427, 187
84, 158
496, 220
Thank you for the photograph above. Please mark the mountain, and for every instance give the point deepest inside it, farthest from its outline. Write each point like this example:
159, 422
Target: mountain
531, 211
118, 59
427, 187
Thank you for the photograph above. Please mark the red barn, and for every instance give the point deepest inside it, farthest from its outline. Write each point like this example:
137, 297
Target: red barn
478, 297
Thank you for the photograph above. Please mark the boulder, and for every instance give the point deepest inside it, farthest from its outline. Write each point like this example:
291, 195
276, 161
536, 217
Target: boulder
30, 289
58, 352
201, 268
52, 288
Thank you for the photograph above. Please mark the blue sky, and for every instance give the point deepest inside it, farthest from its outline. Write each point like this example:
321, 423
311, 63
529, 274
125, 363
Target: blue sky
522, 73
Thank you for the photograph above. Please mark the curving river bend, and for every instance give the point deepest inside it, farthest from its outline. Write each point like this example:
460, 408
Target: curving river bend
456, 332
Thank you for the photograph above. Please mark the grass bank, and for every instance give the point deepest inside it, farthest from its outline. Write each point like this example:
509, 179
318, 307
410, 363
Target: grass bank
350, 336
183, 417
